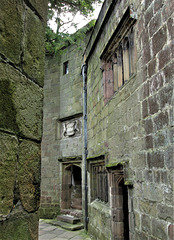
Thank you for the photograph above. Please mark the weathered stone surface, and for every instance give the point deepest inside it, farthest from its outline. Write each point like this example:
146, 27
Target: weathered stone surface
11, 29
41, 8
29, 175
134, 125
159, 229
159, 39
20, 227
146, 224
20, 118
155, 159
21, 104
34, 49
171, 231
8, 161
166, 212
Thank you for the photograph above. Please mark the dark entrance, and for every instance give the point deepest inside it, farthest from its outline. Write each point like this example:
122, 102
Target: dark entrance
119, 206
71, 187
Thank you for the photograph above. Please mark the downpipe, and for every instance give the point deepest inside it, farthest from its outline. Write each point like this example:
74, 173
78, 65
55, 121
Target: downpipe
84, 74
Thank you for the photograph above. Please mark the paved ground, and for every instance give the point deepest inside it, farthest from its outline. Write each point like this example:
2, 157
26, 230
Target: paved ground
50, 232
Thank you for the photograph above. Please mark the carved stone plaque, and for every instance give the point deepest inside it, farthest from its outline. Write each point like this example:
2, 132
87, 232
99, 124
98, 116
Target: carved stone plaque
71, 128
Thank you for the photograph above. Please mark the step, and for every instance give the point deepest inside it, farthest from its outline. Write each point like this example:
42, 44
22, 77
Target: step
73, 212
68, 219
68, 226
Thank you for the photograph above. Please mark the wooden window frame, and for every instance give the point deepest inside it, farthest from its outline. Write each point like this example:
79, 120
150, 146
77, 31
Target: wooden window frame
99, 181
120, 55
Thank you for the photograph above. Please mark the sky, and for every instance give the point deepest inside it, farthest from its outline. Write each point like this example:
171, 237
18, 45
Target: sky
79, 19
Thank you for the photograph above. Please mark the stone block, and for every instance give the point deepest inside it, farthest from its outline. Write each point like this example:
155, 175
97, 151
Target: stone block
20, 104
159, 229
161, 139
159, 40
155, 24
164, 56
152, 192
171, 231
156, 83
169, 72
155, 159
34, 49
141, 236
170, 26
20, 226
161, 120
169, 158
41, 7
144, 109
166, 212
146, 54
157, 5
168, 9
146, 224
8, 161
148, 15
29, 175
147, 3
148, 126
148, 207
11, 29
152, 67
166, 96
148, 175
146, 90
153, 104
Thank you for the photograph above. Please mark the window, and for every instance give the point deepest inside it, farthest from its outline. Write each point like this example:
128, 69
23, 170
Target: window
99, 182
65, 68
119, 57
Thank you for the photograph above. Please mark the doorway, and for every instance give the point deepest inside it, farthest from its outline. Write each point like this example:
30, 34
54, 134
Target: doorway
71, 197
119, 206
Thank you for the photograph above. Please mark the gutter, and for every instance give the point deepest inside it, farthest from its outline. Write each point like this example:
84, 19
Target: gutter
84, 74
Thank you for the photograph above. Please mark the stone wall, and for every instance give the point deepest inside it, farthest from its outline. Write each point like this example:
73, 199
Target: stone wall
62, 106
134, 128
22, 32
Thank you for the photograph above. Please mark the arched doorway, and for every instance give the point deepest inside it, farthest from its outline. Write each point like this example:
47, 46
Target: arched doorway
71, 196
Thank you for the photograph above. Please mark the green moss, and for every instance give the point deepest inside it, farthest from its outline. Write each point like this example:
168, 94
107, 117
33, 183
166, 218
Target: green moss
101, 156
7, 108
116, 164
128, 183
20, 227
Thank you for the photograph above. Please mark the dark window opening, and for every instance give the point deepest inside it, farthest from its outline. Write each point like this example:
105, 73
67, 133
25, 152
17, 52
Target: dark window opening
65, 68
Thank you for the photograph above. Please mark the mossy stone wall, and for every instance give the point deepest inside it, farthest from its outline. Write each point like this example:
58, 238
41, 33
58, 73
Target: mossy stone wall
22, 30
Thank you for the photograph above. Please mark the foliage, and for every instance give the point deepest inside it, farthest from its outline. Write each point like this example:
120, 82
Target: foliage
60, 10
57, 42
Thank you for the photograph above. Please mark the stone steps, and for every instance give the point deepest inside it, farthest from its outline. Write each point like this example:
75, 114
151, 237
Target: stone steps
73, 212
68, 226
68, 219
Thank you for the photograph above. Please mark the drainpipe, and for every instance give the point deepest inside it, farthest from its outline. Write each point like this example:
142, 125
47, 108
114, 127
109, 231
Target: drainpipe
84, 74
